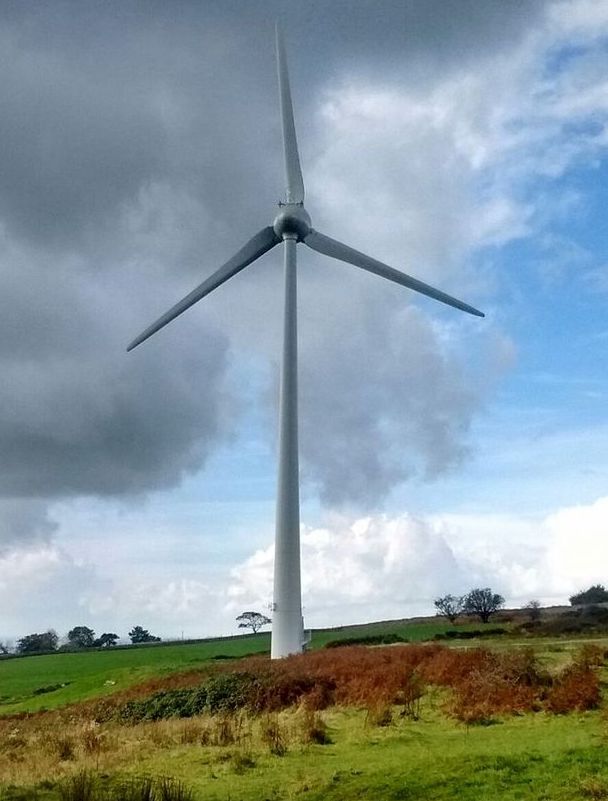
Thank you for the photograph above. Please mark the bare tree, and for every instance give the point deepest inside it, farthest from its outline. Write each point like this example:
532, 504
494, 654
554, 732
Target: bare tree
533, 608
450, 606
482, 602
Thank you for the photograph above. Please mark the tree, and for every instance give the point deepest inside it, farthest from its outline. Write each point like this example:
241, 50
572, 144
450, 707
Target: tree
38, 643
533, 609
482, 602
450, 606
107, 640
597, 594
138, 634
253, 621
81, 637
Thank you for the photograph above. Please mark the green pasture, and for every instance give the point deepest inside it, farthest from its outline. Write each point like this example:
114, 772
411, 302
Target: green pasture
413, 631
93, 673
534, 757
527, 758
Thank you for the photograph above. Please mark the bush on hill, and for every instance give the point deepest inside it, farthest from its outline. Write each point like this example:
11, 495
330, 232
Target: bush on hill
597, 594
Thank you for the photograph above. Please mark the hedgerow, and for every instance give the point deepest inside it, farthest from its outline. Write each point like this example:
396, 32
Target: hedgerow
370, 639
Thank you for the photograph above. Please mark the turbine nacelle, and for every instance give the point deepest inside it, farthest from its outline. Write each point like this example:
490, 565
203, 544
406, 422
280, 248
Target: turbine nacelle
292, 221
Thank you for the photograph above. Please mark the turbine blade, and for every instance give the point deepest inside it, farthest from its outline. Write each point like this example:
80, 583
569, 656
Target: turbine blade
331, 247
293, 172
256, 247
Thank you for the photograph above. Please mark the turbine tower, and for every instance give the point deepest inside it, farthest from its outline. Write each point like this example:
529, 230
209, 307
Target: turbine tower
291, 226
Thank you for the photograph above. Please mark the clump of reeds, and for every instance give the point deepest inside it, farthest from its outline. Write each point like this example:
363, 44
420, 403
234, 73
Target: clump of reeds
273, 734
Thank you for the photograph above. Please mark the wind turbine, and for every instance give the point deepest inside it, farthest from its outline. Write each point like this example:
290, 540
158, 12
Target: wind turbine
292, 225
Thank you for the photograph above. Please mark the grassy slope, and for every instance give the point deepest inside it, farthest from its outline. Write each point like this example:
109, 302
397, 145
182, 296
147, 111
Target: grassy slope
529, 758
101, 672
533, 757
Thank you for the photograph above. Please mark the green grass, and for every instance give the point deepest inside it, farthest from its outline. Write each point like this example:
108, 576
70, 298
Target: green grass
528, 758
95, 673
412, 631
531, 757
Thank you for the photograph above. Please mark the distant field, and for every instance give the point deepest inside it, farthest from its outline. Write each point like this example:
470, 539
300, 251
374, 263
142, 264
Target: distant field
90, 674
412, 631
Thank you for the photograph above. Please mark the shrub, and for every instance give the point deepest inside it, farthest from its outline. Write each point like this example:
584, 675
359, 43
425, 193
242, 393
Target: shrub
590, 655
578, 687
228, 692
583, 620
165, 704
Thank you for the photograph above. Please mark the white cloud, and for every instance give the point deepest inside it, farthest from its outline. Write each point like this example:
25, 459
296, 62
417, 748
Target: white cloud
354, 569
374, 568
578, 552
40, 586
358, 569
444, 169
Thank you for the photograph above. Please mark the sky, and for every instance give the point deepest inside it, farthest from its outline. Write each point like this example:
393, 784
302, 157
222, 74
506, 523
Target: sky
463, 142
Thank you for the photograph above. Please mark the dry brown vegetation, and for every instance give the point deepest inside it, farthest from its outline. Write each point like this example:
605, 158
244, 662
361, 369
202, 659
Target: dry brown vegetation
279, 704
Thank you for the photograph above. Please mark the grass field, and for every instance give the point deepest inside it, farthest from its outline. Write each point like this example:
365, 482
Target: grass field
365, 751
536, 757
89, 674
532, 757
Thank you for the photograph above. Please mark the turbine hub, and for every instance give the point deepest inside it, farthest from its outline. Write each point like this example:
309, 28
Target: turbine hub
292, 219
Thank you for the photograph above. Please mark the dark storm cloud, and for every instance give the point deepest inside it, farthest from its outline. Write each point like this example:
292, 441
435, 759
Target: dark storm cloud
133, 138
78, 414
25, 521
381, 401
